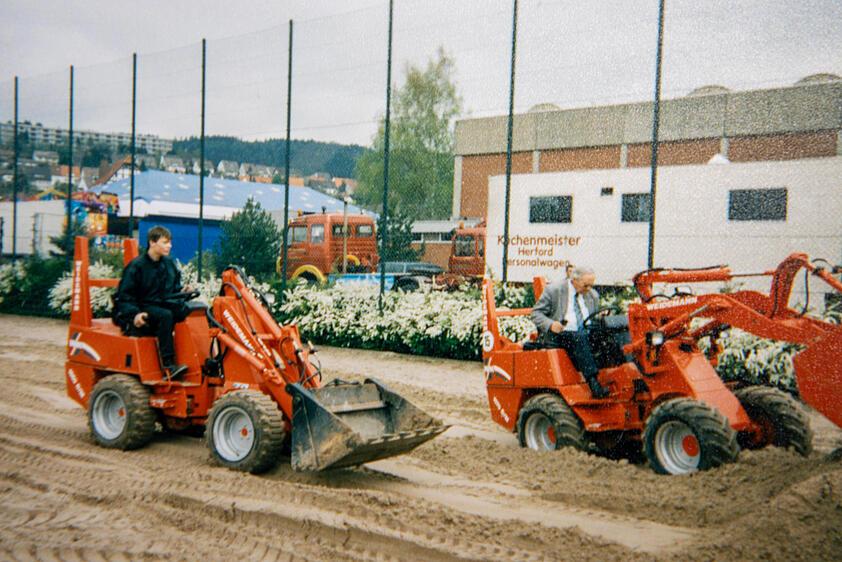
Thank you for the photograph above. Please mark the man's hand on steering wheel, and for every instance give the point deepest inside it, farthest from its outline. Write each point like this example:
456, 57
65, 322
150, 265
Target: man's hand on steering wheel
601, 313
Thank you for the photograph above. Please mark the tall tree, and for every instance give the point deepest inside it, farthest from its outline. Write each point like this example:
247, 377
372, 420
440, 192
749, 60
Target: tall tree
421, 145
250, 239
399, 241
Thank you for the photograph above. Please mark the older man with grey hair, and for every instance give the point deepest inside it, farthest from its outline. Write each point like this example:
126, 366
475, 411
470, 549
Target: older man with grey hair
559, 316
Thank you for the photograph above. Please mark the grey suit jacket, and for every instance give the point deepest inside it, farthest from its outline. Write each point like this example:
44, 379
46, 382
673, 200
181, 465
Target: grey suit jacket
552, 306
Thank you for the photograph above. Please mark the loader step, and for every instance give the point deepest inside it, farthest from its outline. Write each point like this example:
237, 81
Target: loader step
163, 382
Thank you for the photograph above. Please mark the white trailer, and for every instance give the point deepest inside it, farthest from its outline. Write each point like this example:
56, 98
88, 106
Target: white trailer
748, 216
37, 222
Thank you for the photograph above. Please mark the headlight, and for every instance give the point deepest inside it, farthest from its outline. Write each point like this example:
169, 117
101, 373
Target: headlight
655, 338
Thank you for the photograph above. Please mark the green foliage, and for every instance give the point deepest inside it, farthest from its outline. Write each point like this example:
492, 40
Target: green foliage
24, 187
421, 145
309, 156
211, 262
251, 240
65, 241
93, 155
398, 240
108, 257
25, 285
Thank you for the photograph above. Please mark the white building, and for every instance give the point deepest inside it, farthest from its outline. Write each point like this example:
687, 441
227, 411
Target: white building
749, 216
37, 222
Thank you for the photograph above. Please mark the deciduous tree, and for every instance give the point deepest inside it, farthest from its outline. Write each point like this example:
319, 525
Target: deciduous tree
421, 145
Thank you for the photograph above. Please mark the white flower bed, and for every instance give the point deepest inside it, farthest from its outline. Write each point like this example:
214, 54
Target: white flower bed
11, 275
425, 323
100, 296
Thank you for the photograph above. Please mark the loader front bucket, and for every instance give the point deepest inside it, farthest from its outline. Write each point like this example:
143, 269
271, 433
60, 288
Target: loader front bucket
346, 424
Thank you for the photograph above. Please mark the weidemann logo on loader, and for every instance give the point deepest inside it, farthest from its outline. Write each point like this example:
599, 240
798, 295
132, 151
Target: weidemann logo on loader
671, 303
77, 282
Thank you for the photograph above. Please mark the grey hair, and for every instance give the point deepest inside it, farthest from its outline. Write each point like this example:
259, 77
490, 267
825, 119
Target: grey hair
581, 271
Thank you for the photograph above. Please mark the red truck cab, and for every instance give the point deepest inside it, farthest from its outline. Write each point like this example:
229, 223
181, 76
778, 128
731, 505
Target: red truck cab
316, 244
467, 252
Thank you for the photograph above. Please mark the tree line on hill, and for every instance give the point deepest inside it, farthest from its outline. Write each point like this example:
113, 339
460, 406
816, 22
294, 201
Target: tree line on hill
307, 156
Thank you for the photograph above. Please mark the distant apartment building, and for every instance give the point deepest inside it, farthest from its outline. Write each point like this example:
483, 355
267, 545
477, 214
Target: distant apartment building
46, 156
42, 135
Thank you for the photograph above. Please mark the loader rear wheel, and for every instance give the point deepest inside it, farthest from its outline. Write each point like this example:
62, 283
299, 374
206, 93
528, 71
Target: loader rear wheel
119, 414
781, 421
546, 423
245, 431
684, 435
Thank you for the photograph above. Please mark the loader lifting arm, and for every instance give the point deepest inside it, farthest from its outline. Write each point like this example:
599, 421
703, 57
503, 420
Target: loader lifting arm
818, 367
333, 425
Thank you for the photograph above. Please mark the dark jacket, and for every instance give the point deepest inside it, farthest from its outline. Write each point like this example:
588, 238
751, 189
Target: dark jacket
144, 282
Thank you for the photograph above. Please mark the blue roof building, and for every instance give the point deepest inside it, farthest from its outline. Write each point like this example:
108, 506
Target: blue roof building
172, 200
179, 193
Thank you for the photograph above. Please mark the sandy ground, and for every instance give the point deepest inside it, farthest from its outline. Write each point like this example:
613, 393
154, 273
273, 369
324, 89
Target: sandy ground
471, 494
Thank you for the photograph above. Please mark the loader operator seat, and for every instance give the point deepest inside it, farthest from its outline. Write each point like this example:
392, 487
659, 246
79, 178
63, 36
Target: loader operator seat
607, 336
129, 329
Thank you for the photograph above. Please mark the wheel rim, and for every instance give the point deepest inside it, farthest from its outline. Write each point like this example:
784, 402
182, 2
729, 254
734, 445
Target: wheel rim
233, 434
677, 448
540, 433
109, 415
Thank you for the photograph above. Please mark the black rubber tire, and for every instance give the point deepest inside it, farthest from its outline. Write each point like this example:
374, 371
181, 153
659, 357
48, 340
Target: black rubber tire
566, 425
140, 418
309, 278
407, 285
717, 441
267, 421
784, 422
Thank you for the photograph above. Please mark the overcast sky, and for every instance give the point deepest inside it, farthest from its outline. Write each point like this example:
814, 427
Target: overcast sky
570, 53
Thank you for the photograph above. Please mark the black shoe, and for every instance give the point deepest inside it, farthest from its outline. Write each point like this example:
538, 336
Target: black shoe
175, 371
597, 390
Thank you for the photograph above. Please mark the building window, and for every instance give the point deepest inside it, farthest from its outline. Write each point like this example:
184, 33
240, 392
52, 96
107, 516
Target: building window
463, 246
550, 209
757, 204
635, 207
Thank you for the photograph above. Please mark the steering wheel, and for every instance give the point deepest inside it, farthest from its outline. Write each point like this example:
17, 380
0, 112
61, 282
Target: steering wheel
600, 314
183, 296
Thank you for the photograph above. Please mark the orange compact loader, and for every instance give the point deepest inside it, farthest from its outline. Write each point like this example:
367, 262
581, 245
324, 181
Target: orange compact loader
250, 383
665, 393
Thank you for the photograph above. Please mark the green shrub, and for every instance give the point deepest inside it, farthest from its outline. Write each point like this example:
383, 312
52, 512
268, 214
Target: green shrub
25, 285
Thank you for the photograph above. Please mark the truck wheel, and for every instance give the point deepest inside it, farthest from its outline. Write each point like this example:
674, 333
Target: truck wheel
546, 423
782, 422
684, 435
407, 284
119, 414
309, 278
245, 431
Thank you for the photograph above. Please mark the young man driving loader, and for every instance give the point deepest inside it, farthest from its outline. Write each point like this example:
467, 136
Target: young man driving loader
143, 304
559, 316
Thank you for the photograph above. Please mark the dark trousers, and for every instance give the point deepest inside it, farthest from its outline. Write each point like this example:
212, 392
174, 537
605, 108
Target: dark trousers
578, 348
160, 322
